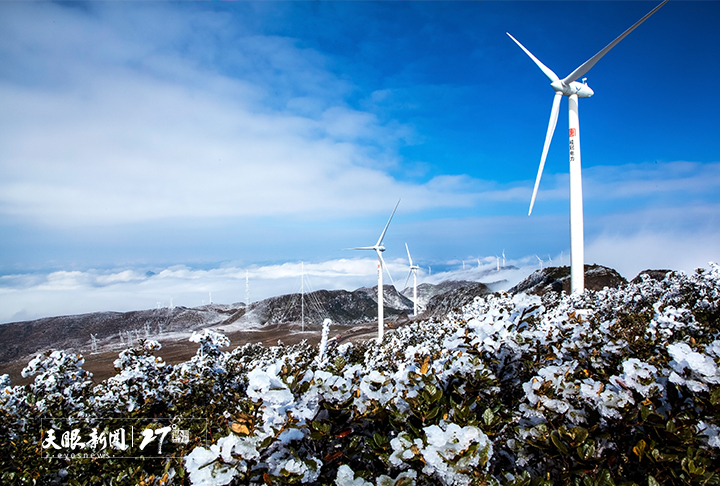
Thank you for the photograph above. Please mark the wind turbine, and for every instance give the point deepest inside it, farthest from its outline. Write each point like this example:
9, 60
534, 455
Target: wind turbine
379, 248
413, 272
540, 260
573, 90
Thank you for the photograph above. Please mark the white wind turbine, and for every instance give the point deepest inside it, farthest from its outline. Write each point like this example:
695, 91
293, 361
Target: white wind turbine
573, 90
379, 248
413, 272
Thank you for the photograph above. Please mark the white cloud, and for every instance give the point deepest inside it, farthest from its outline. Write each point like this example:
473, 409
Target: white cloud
132, 131
631, 254
31, 296
648, 179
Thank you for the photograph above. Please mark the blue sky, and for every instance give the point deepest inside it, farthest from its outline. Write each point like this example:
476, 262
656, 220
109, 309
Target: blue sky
208, 139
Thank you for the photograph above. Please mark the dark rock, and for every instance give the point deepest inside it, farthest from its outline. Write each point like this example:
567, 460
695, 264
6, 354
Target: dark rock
453, 299
658, 275
341, 306
557, 279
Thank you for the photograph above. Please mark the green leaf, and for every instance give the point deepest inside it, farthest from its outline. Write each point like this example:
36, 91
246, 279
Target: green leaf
715, 396
555, 437
433, 413
488, 416
380, 440
644, 412
586, 451
322, 427
652, 481
605, 478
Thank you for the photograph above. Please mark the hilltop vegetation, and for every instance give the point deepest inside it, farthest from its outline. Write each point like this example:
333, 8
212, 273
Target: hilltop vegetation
615, 386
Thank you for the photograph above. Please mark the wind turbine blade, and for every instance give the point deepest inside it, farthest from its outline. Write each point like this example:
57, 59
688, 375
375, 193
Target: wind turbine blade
407, 279
386, 268
548, 72
361, 248
585, 67
408, 250
388, 224
546, 147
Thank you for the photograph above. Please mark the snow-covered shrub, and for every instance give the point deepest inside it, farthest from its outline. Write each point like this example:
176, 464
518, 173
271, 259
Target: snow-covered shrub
619, 386
61, 387
140, 385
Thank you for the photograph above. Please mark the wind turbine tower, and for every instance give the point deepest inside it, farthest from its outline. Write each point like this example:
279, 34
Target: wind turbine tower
379, 248
302, 295
247, 291
573, 90
413, 272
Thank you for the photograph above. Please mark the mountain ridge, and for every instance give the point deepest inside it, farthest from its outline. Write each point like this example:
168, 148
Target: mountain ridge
116, 330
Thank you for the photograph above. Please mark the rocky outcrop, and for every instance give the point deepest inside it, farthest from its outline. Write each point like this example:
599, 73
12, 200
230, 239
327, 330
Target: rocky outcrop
658, 275
557, 279
453, 299
426, 291
341, 306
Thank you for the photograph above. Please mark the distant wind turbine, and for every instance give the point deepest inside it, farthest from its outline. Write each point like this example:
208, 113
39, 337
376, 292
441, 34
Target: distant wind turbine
379, 248
247, 291
302, 294
503, 256
540, 260
573, 90
413, 272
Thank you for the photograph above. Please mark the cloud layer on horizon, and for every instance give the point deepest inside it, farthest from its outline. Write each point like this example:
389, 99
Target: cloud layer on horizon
32, 296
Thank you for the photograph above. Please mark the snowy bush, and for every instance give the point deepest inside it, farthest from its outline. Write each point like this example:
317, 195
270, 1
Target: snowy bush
142, 380
619, 386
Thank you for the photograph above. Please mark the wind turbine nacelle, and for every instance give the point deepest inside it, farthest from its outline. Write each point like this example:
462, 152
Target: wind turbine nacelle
582, 90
